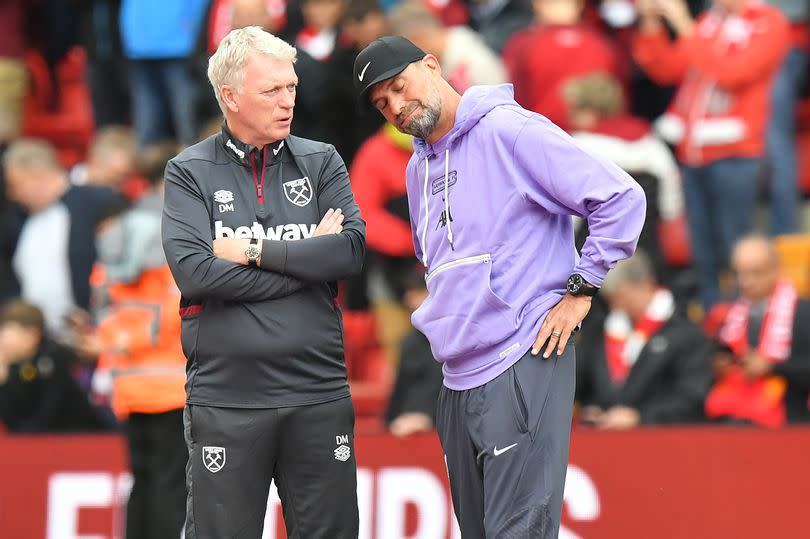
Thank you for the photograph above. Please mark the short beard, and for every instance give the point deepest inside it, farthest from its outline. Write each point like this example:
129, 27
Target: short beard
424, 122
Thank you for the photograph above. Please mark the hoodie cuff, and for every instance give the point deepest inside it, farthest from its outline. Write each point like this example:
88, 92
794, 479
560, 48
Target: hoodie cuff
589, 272
274, 255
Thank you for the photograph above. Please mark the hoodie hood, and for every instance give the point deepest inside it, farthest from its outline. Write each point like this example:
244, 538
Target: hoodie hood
476, 103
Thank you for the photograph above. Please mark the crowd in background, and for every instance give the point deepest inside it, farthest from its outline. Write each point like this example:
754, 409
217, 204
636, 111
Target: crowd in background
701, 104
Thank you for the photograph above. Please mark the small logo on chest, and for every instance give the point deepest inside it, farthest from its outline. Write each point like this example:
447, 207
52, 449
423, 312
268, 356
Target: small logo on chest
299, 191
438, 185
225, 199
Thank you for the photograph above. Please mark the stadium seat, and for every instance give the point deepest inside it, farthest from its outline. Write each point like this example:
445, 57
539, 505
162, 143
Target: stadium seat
803, 115
370, 374
794, 255
674, 237
60, 113
803, 151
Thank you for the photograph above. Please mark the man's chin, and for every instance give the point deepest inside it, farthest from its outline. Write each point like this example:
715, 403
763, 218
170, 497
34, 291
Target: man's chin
280, 133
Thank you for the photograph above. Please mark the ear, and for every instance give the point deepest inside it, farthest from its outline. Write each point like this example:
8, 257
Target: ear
432, 63
229, 98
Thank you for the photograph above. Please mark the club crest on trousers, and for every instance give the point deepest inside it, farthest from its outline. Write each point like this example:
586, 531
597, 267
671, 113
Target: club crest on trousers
213, 458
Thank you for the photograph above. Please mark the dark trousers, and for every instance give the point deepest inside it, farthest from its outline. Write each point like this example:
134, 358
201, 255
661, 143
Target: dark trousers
158, 456
720, 202
236, 452
506, 445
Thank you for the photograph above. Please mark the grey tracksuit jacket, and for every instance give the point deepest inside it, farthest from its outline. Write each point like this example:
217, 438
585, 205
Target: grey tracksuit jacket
264, 337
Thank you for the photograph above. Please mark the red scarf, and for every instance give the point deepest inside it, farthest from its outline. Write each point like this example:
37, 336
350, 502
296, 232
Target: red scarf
760, 401
624, 342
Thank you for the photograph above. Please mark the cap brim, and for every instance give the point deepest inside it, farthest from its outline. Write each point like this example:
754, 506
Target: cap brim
385, 76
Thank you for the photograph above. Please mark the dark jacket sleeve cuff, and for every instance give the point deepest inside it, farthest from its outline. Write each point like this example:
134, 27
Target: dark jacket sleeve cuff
274, 255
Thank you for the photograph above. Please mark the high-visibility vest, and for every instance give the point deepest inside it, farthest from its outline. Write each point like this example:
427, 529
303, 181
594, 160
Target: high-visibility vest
139, 332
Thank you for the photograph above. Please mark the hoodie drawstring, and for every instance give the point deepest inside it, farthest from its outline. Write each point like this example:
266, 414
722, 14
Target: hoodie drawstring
427, 215
446, 204
447, 196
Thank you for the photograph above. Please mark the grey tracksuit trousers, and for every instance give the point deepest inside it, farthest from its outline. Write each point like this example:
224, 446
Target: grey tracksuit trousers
506, 445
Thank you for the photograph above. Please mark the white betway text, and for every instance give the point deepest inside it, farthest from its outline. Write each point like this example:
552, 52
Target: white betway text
288, 232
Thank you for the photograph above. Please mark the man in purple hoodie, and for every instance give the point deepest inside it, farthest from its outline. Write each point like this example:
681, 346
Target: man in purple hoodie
491, 190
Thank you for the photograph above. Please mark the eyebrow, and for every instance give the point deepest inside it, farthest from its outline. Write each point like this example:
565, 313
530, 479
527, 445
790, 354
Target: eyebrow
388, 83
278, 84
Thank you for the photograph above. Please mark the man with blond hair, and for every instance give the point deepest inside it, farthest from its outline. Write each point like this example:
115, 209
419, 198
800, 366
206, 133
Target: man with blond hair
257, 227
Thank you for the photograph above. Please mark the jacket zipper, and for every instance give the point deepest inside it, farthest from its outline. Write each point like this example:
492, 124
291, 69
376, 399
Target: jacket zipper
256, 181
485, 259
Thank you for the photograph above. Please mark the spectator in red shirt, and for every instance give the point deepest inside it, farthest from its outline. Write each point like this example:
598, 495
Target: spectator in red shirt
725, 62
378, 179
541, 59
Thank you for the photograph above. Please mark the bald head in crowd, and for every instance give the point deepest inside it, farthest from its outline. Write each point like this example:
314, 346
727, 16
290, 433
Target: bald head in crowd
756, 265
631, 285
35, 178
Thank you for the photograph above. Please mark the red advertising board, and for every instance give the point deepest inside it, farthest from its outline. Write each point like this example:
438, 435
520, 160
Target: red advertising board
653, 483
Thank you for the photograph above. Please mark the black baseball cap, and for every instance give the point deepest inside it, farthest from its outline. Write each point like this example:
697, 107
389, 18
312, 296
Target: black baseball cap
382, 59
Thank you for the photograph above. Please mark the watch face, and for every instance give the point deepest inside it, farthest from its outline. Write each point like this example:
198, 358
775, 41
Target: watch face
252, 252
575, 283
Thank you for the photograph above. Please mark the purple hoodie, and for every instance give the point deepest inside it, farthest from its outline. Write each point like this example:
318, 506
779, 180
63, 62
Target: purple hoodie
510, 181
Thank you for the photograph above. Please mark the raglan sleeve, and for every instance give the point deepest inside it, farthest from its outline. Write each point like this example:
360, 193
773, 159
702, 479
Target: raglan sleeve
567, 180
188, 245
329, 257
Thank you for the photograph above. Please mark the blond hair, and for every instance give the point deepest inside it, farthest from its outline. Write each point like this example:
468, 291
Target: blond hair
600, 92
227, 65
112, 138
31, 153
411, 14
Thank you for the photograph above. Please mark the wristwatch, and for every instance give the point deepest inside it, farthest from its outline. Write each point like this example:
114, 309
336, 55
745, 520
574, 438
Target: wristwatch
253, 252
578, 286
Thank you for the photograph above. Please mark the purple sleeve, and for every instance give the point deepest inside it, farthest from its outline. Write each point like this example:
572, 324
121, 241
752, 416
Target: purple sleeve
556, 173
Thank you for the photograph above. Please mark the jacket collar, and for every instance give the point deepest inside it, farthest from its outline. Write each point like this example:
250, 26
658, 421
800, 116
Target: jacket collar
240, 151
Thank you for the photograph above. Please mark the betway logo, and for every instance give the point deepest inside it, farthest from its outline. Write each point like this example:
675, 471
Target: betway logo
288, 232
236, 150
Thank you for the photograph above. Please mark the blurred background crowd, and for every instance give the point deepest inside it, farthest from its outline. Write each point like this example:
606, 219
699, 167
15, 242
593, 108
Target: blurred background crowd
704, 103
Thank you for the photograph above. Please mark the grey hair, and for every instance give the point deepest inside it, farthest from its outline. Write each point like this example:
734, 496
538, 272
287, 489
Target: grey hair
31, 153
636, 269
227, 64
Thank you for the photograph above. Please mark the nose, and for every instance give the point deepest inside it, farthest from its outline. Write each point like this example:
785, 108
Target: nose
397, 105
288, 99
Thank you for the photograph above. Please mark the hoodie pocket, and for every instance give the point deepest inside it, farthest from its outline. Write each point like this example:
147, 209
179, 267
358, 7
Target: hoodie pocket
462, 314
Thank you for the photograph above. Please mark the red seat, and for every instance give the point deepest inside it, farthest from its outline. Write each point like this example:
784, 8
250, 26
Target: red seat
673, 236
803, 151
370, 375
64, 117
803, 115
